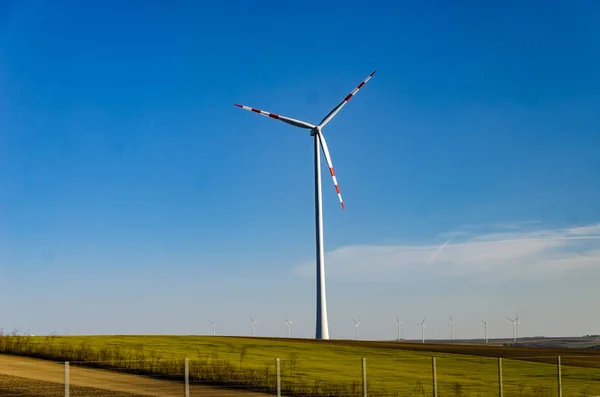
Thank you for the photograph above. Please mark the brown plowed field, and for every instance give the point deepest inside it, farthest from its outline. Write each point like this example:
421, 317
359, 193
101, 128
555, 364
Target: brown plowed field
576, 357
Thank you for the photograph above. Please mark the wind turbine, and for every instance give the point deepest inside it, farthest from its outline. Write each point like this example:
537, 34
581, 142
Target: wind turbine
322, 331
485, 330
253, 322
214, 324
514, 323
422, 323
451, 328
517, 322
356, 324
398, 322
287, 324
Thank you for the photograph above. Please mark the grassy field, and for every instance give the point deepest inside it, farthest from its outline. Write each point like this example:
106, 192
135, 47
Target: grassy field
329, 367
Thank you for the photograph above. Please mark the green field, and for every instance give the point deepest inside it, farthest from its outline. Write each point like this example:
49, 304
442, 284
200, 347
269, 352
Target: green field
330, 367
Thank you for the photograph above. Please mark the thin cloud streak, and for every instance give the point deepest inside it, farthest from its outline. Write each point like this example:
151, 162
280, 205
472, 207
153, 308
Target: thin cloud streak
439, 250
495, 255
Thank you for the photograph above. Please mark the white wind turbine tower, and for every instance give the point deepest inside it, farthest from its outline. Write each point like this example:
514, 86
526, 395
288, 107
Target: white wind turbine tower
322, 330
485, 326
253, 322
422, 324
517, 322
214, 324
514, 323
451, 328
288, 326
356, 324
398, 322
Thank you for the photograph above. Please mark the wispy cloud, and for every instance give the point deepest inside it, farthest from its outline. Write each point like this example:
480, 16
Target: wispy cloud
519, 252
437, 251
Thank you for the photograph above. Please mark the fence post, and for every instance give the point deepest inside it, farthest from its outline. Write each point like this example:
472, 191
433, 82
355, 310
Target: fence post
66, 379
278, 369
500, 389
434, 375
559, 376
186, 374
364, 377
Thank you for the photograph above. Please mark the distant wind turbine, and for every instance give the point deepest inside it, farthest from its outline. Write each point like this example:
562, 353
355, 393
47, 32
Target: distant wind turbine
485, 325
514, 323
214, 324
288, 326
356, 324
452, 328
253, 322
398, 322
517, 322
422, 324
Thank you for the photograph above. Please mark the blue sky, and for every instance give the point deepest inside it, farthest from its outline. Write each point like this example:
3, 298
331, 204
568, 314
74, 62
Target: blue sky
135, 198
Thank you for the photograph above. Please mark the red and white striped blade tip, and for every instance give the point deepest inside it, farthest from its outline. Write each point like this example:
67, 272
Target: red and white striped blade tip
288, 120
264, 113
359, 87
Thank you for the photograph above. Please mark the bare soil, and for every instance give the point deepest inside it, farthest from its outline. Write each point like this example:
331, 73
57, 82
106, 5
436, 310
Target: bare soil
24, 376
13, 386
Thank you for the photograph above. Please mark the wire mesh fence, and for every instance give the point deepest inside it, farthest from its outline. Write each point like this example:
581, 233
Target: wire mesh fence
442, 375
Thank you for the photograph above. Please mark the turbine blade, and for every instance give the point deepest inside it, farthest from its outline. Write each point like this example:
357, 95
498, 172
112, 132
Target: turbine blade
336, 109
288, 120
330, 165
